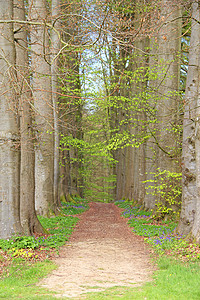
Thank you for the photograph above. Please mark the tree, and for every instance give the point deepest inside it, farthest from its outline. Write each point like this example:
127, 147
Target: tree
71, 102
189, 218
9, 131
163, 151
136, 152
28, 216
55, 43
42, 96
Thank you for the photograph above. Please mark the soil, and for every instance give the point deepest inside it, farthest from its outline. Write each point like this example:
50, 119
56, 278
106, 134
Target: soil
102, 252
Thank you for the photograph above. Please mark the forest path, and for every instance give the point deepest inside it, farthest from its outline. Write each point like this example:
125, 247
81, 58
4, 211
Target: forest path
102, 252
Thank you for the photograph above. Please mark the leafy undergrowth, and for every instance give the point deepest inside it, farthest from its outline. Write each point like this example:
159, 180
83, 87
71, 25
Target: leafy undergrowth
31, 249
161, 235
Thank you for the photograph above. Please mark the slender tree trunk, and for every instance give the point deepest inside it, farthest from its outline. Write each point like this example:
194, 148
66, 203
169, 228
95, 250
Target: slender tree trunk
169, 47
9, 131
196, 224
41, 82
140, 152
121, 116
28, 218
54, 81
136, 164
71, 106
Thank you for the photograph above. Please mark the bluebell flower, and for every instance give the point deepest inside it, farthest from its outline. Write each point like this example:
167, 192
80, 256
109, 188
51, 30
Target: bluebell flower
157, 242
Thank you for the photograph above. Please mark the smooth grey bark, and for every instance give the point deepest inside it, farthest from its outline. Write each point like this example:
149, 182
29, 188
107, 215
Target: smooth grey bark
122, 126
165, 51
151, 149
55, 42
136, 164
28, 218
140, 152
196, 224
41, 85
190, 152
169, 47
71, 107
9, 131
111, 118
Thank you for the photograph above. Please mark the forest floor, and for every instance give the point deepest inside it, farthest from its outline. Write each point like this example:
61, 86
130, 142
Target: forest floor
102, 252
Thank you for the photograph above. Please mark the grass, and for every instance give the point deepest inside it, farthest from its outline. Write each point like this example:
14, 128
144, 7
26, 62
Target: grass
177, 275
21, 280
173, 280
24, 258
59, 229
178, 272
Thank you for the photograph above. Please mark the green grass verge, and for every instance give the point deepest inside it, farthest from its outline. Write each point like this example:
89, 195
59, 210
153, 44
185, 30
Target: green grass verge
23, 271
22, 279
173, 280
178, 274
161, 235
59, 229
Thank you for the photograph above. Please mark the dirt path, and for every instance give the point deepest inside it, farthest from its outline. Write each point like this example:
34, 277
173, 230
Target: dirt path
102, 252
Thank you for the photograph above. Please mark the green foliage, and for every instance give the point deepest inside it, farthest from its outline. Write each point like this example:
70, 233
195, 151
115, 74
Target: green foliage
59, 229
166, 187
160, 235
111, 115
71, 209
19, 242
22, 278
186, 250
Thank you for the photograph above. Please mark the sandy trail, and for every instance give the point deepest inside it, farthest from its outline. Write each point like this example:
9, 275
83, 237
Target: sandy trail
102, 252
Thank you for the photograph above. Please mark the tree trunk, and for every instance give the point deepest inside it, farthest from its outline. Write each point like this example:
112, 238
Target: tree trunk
190, 160
54, 81
71, 106
28, 218
41, 82
136, 164
169, 47
165, 65
9, 133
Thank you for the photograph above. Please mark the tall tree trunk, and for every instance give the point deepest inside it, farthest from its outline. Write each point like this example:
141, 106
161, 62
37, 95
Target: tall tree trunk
140, 116
71, 106
9, 133
56, 9
169, 47
164, 58
122, 126
44, 159
190, 160
28, 218
136, 164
